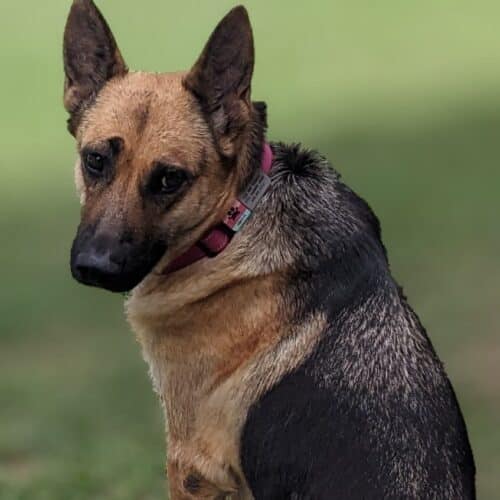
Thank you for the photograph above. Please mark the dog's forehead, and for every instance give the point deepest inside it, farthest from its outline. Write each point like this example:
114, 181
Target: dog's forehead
152, 112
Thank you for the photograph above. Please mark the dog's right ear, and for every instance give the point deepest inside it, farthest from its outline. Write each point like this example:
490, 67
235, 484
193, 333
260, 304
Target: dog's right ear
91, 58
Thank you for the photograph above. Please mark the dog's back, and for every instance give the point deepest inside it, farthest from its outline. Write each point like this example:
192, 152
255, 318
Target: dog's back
370, 413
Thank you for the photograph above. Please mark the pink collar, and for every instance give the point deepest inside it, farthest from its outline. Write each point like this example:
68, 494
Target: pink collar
218, 238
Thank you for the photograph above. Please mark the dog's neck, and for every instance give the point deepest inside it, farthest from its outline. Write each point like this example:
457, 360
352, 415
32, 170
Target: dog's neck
188, 311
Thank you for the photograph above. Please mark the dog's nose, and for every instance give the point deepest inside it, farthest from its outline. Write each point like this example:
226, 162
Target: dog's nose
99, 260
94, 265
113, 260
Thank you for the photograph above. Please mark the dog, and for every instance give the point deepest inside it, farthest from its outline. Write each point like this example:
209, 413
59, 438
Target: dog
286, 358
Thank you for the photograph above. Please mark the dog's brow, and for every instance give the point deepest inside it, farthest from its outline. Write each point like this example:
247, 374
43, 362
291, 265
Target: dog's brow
142, 115
179, 159
111, 145
102, 146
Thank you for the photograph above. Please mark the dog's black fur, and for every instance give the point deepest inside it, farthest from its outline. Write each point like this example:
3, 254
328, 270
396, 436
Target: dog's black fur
371, 413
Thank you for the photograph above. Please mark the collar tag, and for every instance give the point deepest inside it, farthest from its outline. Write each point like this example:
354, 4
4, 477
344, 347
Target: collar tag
255, 189
242, 208
236, 216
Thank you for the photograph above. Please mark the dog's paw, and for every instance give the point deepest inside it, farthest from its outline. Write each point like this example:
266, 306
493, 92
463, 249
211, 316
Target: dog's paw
199, 478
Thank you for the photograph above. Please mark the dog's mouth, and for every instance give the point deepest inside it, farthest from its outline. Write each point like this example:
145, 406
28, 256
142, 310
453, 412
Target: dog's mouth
117, 266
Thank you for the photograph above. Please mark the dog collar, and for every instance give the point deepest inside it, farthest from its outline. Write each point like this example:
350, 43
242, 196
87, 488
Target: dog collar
218, 238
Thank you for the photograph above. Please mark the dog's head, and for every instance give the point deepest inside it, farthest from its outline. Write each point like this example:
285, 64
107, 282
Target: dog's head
160, 155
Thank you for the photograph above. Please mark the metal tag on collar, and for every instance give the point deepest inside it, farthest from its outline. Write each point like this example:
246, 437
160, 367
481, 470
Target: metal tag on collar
255, 190
242, 208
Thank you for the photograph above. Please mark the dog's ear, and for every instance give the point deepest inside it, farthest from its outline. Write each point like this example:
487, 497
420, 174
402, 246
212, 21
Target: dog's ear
91, 58
221, 79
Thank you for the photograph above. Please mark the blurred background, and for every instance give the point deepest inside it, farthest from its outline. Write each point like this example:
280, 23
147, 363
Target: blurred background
403, 98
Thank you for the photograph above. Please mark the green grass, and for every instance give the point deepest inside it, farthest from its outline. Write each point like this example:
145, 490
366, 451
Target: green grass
404, 98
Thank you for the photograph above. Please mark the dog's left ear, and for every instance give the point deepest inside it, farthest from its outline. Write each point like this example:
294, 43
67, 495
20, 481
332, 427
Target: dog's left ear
91, 58
221, 79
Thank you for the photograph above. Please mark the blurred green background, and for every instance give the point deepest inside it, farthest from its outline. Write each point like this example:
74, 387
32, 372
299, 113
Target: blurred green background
403, 97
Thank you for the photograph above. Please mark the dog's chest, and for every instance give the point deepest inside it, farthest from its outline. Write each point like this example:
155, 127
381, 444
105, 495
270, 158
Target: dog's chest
204, 424
208, 366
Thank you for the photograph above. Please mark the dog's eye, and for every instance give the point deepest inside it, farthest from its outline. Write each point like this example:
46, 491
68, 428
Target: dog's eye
167, 180
94, 163
172, 181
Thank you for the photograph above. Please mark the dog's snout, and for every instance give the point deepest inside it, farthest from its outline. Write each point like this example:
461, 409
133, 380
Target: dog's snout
112, 259
99, 260
94, 263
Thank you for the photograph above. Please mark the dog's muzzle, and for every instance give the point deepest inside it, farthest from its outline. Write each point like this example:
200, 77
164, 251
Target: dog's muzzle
111, 261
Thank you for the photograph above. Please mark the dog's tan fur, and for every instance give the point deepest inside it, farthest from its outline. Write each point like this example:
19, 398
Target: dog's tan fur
158, 120
215, 343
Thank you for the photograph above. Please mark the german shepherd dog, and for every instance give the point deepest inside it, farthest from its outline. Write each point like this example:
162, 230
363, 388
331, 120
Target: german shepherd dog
287, 359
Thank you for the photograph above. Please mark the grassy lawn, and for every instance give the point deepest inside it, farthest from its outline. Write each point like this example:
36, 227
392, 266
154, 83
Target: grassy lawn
404, 98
